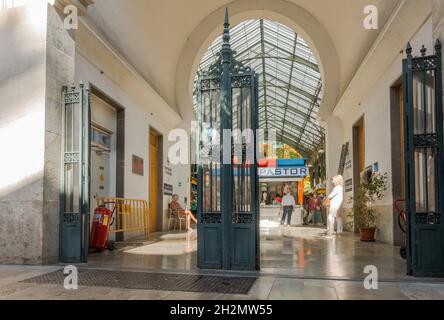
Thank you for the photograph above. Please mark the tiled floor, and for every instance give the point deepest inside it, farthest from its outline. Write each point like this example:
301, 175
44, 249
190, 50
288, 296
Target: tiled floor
297, 263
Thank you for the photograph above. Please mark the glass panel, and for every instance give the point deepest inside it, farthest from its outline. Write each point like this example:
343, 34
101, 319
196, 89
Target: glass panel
424, 102
206, 188
76, 127
72, 192
215, 109
210, 112
236, 108
430, 97
242, 171
242, 187
68, 188
246, 108
69, 128
423, 180
76, 187
431, 180
206, 106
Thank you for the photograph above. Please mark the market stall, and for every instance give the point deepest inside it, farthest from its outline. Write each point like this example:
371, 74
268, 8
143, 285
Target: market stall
274, 176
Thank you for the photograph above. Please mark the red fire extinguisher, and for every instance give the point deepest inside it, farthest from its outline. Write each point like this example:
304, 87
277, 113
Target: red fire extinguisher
102, 222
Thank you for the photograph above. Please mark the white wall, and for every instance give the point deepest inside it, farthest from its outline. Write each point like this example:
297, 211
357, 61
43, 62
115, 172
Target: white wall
143, 110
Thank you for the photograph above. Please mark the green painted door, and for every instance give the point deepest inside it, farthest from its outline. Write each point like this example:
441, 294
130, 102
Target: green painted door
75, 171
424, 163
228, 220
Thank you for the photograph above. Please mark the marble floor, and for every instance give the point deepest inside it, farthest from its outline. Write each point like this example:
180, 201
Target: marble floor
265, 288
297, 263
300, 252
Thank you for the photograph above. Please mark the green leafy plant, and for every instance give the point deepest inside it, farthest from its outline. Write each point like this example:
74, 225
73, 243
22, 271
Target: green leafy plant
369, 191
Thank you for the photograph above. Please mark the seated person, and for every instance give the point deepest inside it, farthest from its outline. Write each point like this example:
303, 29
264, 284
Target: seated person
179, 212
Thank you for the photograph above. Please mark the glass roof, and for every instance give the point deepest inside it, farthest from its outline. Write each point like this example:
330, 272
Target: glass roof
290, 85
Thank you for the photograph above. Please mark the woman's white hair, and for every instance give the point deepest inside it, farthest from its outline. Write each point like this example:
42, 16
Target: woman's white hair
338, 180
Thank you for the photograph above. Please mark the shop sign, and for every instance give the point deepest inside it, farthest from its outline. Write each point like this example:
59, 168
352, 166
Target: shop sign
290, 172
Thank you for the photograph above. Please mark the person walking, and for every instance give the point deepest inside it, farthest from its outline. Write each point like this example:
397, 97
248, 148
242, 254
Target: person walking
336, 197
288, 205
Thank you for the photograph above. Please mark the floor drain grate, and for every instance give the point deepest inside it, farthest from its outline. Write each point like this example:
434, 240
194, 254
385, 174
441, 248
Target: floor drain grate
152, 281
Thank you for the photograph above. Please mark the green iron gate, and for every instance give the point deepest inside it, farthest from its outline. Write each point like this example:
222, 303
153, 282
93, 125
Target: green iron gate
74, 201
227, 99
424, 162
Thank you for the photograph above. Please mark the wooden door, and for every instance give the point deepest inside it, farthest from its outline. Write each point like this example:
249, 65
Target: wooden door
153, 179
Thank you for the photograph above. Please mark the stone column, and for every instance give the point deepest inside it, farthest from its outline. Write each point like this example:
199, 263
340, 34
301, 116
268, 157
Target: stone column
37, 58
60, 70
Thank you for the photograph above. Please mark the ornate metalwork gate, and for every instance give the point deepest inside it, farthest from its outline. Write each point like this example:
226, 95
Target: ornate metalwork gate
424, 162
74, 195
227, 98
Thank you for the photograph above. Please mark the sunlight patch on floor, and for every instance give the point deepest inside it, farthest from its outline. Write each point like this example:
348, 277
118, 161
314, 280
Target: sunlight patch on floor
170, 245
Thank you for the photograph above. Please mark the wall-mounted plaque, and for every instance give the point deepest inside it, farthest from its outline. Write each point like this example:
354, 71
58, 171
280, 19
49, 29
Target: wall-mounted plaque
167, 189
137, 165
349, 185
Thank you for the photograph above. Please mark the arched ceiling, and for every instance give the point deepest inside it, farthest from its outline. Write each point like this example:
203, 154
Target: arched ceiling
290, 84
152, 35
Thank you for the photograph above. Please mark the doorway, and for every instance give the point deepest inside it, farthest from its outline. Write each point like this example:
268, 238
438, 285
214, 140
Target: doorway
398, 156
103, 151
358, 162
155, 181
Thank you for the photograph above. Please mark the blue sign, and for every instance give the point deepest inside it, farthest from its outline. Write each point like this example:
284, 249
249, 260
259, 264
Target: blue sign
291, 162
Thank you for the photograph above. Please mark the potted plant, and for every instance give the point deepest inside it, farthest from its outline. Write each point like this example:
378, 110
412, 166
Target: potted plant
370, 190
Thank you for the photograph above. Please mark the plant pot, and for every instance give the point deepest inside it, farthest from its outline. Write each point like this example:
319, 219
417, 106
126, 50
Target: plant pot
368, 234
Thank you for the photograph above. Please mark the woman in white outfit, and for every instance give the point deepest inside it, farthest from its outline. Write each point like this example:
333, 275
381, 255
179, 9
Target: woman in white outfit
336, 199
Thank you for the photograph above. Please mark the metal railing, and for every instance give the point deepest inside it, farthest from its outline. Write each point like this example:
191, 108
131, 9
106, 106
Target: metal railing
130, 215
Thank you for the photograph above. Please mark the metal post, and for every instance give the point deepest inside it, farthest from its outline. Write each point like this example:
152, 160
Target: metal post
226, 119
409, 167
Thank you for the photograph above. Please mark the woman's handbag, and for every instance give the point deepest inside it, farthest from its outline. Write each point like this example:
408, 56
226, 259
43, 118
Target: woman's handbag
326, 202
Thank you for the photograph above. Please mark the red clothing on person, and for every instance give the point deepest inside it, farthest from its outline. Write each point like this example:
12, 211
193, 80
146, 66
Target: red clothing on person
313, 203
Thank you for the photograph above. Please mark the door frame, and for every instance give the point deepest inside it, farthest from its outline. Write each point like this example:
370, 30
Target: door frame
397, 154
120, 144
160, 178
357, 139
